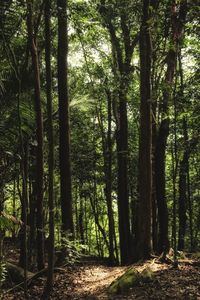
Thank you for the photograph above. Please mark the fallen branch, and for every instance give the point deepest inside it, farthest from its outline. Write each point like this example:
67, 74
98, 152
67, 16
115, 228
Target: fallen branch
30, 279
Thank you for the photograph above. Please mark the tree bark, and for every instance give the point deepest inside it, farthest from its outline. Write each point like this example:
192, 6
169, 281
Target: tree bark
24, 207
107, 155
64, 128
122, 50
51, 238
108, 176
182, 201
177, 23
143, 241
163, 241
39, 134
123, 197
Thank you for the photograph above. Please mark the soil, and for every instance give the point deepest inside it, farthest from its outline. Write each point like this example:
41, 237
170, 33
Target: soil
90, 280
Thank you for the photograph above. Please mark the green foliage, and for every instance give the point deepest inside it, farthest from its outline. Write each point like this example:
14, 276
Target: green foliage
73, 248
6, 223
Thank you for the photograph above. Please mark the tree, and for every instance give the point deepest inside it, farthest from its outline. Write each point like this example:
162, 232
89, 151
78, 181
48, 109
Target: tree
143, 247
64, 130
51, 238
39, 134
122, 50
178, 17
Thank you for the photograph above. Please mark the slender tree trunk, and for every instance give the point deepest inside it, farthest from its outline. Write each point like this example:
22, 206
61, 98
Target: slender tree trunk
81, 221
47, 13
107, 154
24, 195
122, 50
24, 206
64, 129
32, 217
185, 196
153, 196
145, 147
14, 207
109, 181
174, 175
39, 132
86, 222
182, 201
94, 206
190, 206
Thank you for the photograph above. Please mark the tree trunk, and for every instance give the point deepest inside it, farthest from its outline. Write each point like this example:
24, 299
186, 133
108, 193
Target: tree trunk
108, 176
190, 206
32, 215
39, 133
123, 197
64, 137
122, 50
143, 241
178, 15
47, 14
182, 201
94, 206
107, 155
81, 221
24, 206
163, 241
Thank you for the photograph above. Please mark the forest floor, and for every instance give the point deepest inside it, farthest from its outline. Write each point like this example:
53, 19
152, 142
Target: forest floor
90, 279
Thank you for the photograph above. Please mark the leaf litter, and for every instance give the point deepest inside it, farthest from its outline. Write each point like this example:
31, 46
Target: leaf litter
90, 281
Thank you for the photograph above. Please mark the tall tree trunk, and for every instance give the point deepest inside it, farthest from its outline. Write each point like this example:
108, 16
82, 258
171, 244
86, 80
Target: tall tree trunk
154, 200
108, 176
64, 137
24, 207
143, 241
123, 196
32, 219
95, 210
14, 207
177, 22
24, 196
190, 206
39, 133
107, 155
47, 14
182, 201
122, 50
81, 221
163, 241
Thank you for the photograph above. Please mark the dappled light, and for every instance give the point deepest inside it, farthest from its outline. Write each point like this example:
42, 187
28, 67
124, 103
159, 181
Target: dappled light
99, 149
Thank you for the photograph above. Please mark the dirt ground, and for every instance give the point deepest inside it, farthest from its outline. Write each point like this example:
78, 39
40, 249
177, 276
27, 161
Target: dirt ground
90, 281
